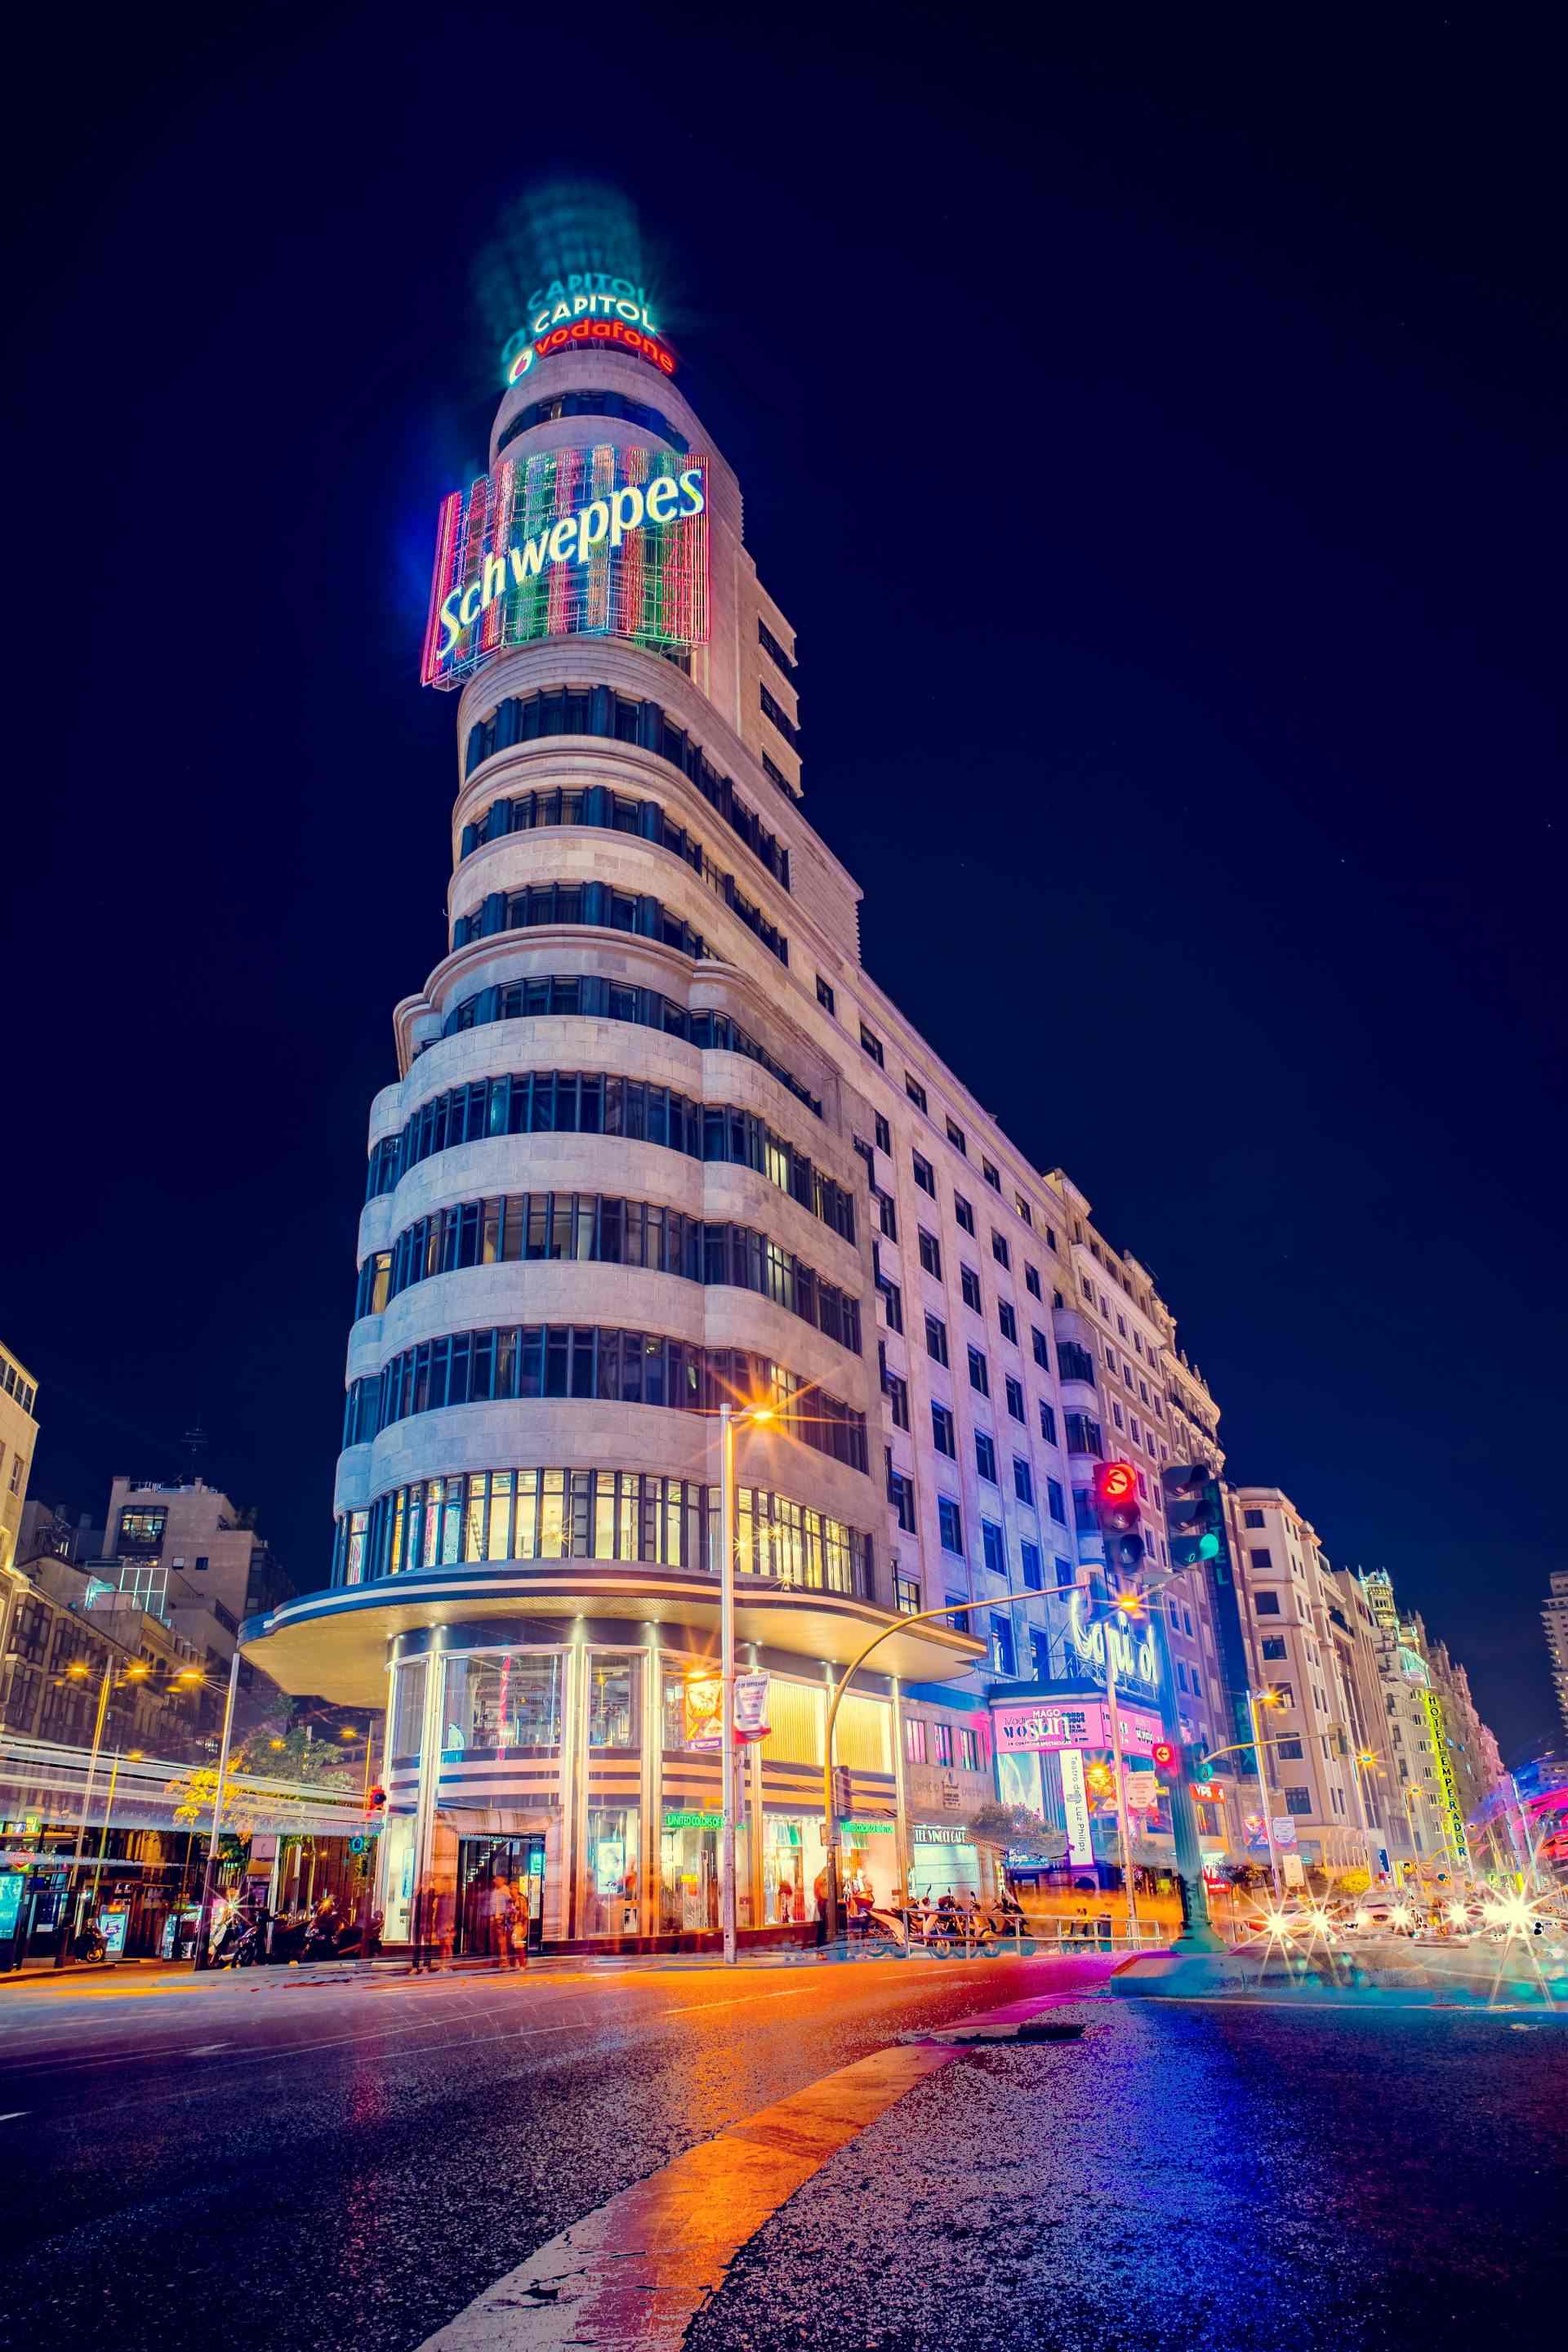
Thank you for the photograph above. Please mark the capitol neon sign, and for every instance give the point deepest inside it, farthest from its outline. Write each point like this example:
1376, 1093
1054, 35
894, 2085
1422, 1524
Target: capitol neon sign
593, 293
1136, 1661
598, 527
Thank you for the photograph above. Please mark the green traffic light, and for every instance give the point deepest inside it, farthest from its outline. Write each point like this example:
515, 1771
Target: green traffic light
1207, 1547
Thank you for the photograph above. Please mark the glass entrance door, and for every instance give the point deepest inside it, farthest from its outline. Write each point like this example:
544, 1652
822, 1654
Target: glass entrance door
501, 1880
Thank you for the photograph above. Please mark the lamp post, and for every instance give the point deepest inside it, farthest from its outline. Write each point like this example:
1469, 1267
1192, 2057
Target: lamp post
1254, 1699
135, 1672
730, 1420
204, 1916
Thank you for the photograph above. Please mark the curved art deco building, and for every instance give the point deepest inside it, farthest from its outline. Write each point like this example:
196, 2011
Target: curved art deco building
622, 1175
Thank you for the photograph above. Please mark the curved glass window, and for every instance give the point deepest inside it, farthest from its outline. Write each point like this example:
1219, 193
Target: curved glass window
564, 1359
589, 1226
567, 1102
600, 711
598, 904
591, 403
614, 999
609, 1514
612, 813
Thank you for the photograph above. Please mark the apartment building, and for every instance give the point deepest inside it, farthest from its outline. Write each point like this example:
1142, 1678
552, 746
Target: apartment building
18, 1437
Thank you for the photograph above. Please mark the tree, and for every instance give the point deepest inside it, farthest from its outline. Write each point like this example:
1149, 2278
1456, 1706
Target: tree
1018, 1829
275, 1753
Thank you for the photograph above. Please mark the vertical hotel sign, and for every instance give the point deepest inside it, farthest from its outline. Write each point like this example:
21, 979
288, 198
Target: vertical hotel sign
601, 542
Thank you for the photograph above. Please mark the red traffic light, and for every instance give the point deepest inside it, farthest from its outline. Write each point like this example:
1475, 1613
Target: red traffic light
1163, 1756
1116, 1496
376, 1802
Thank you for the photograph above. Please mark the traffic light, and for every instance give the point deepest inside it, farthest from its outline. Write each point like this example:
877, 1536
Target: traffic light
1195, 1514
376, 1800
1163, 1756
1116, 1508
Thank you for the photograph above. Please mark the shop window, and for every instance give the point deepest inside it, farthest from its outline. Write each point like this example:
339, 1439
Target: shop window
409, 1708
612, 1710
611, 1904
502, 1701
915, 1739
689, 1877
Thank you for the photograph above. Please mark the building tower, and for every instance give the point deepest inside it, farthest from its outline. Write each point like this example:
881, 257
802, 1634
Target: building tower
614, 1184
1554, 1617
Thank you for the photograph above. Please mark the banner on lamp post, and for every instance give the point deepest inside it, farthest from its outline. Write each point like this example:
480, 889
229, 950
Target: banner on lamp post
751, 1706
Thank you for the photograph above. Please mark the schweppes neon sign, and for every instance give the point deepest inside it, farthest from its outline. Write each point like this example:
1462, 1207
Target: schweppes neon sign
597, 542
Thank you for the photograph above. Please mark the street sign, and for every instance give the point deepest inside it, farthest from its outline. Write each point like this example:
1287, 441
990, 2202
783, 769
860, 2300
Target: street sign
694, 1821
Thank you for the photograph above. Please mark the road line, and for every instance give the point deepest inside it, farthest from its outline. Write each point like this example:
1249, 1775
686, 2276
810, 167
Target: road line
638, 2270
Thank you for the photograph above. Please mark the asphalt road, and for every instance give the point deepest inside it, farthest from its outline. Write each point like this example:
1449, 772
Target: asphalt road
1248, 2176
270, 2160
275, 2162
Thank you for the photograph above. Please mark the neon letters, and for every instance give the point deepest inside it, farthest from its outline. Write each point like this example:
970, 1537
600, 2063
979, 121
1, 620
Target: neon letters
603, 523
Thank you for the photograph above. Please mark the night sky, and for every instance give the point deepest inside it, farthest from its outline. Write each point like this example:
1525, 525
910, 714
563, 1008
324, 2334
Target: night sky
1157, 443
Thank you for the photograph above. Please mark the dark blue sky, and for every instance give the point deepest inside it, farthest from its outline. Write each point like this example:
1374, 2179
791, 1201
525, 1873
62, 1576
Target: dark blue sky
1157, 443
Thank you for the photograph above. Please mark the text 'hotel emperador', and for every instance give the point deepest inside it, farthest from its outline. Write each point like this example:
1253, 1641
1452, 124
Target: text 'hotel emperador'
656, 1140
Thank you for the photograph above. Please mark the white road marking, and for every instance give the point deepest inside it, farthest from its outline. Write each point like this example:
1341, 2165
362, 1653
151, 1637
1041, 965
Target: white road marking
205, 2049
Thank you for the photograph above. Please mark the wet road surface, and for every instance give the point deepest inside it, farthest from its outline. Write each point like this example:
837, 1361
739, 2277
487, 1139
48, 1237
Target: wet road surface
1369, 2179
312, 2165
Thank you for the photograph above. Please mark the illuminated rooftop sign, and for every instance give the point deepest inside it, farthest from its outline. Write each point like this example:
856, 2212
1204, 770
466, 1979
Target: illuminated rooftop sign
573, 543
588, 294
597, 334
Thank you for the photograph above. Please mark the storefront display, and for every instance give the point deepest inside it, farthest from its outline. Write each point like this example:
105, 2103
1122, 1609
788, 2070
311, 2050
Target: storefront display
943, 1861
612, 1901
794, 1858
689, 1876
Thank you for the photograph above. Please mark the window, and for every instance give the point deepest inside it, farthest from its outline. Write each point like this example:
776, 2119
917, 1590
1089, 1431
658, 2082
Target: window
872, 1046
1084, 1436
901, 1495
993, 1546
897, 1392
950, 1520
1032, 1570
992, 1175
1015, 1398
915, 1739
1032, 1281
1002, 1658
1252, 1518
999, 1249
979, 1373
1261, 1557
1023, 1208
1006, 1322
906, 1596
1285, 1693
825, 995
984, 1456
1023, 1479
886, 1213
931, 1254
1055, 1502
1298, 1799
1075, 1364
1039, 1349
925, 1174
941, 1742
1040, 1651
780, 717
956, 1138
915, 1091
968, 1751
963, 1212
884, 1133
936, 1338
1065, 1578
969, 1284
204, 1560
943, 1432
1274, 1646
892, 1300
1048, 1423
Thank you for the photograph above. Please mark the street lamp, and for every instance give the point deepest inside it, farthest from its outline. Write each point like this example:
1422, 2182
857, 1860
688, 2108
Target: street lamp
209, 1877
749, 1416
78, 1670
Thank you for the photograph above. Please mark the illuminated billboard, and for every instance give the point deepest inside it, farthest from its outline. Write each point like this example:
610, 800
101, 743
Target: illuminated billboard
600, 542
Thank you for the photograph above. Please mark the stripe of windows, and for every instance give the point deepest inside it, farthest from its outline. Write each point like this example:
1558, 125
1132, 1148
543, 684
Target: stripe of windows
591, 403
598, 906
499, 1516
614, 813
610, 999
559, 1360
525, 1226
564, 1102
600, 711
